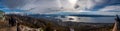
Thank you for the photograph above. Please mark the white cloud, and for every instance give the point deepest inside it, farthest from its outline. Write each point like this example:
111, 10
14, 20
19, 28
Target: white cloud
67, 4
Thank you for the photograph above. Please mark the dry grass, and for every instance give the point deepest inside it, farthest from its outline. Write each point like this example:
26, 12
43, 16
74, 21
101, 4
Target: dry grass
5, 27
3, 24
9, 29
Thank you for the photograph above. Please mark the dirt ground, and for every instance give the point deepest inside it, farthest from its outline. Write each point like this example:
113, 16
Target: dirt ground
5, 27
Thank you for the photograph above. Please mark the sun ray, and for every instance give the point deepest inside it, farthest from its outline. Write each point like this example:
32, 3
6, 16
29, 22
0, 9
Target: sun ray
72, 1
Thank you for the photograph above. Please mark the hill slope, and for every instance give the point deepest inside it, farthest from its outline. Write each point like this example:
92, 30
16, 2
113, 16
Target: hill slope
12, 20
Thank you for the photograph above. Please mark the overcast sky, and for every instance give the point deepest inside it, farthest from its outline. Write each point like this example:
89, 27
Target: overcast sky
48, 6
104, 7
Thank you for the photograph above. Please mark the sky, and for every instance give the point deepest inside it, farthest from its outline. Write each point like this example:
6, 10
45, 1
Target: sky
101, 7
50, 6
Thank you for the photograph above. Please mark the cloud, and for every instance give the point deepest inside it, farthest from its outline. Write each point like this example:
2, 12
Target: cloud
96, 5
113, 8
90, 4
48, 6
40, 6
68, 4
